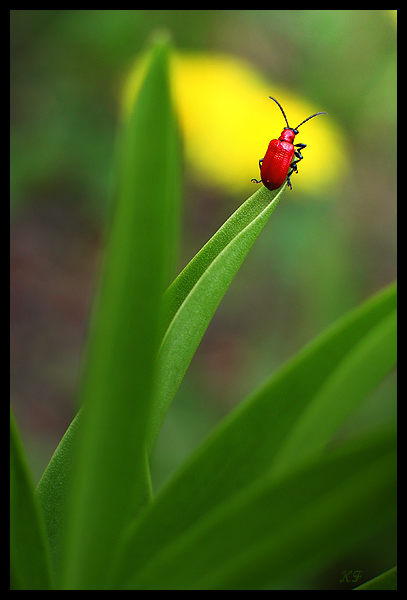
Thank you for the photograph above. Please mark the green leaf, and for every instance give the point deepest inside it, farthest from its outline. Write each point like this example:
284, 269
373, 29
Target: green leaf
360, 371
385, 581
29, 552
186, 317
286, 422
52, 489
193, 298
110, 478
278, 526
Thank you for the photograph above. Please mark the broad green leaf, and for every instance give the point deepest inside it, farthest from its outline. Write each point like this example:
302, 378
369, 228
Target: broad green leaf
110, 478
385, 581
30, 563
284, 423
278, 526
193, 298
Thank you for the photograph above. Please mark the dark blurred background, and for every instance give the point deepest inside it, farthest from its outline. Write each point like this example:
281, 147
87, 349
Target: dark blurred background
321, 254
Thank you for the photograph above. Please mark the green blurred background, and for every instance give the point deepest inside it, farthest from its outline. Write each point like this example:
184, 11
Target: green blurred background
320, 255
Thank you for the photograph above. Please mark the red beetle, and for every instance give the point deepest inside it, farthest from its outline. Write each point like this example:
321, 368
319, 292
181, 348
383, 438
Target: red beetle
278, 162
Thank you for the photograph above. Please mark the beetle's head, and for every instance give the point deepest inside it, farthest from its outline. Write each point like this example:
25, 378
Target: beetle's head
288, 134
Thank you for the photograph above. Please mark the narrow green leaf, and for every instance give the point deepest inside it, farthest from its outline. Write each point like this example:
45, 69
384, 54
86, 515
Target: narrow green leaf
52, 489
360, 370
193, 298
110, 479
29, 552
385, 581
261, 435
247, 221
280, 526
243, 217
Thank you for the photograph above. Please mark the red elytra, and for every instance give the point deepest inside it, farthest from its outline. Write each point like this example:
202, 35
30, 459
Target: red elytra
278, 162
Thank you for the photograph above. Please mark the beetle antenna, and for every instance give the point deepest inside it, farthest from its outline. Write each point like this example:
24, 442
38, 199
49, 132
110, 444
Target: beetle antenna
311, 117
281, 108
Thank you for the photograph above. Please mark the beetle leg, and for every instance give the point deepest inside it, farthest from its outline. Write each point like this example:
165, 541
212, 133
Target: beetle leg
293, 165
293, 168
289, 181
297, 153
255, 180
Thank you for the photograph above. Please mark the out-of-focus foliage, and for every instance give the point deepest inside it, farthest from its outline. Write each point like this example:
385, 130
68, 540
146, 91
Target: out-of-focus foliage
227, 119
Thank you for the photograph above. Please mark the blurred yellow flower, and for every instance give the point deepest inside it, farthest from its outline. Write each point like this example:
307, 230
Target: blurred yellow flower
227, 121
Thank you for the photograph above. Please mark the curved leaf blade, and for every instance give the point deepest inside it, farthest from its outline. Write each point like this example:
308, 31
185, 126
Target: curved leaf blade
385, 581
193, 298
281, 526
30, 564
360, 370
247, 444
52, 487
